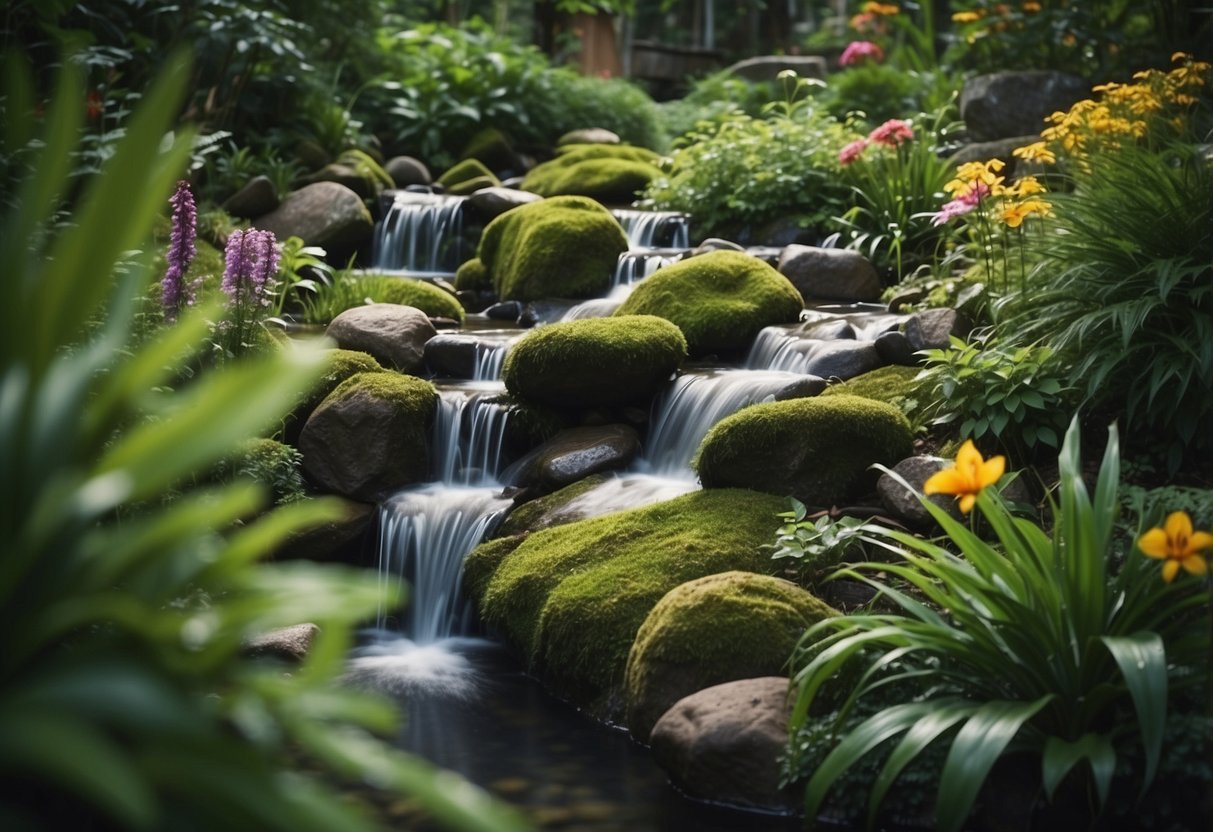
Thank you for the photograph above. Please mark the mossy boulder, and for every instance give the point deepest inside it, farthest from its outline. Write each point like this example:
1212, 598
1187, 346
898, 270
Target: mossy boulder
594, 362
720, 300
541, 178
895, 385
493, 149
612, 174
370, 436
716, 629
339, 365
548, 510
473, 276
564, 247
407, 291
572, 597
818, 450
469, 175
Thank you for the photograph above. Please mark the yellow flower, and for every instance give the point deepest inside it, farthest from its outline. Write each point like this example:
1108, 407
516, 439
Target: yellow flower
1178, 545
966, 17
967, 477
1031, 7
883, 9
1013, 214
1035, 152
1025, 186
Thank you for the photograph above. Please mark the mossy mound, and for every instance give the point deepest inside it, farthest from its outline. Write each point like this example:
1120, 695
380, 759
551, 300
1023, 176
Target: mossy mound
370, 436
893, 385
407, 291
720, 300
818, 450
613, 174
572, 597
339, 365
716, 629
563, 247
473, 276
594, 362
492, 148
467, 176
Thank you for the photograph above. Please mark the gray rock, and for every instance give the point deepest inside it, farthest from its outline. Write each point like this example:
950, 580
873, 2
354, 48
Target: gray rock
490, 202
894, 348
907, 297
365, 441
451, 354
842, 359
574, 454
904, 504
325, 213
506, 310
289, 643
405, 171
716, 244
830, 273
803, 388
999, 149
831, 329
588, 135
930, 329
768, 67
394, 334
1002, 105
255, 199
723, 744
332, 540
365, 185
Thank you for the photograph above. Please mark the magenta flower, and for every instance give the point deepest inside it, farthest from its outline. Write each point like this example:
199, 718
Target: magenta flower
892, 133
852, 152
962, 205
175, 292
859, 51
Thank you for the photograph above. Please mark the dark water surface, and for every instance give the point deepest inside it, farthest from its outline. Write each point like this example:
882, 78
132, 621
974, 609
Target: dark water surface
470, 708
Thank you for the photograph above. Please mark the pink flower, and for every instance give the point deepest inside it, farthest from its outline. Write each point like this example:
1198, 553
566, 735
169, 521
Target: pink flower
858, 51
892, 133
852, 152
962, 205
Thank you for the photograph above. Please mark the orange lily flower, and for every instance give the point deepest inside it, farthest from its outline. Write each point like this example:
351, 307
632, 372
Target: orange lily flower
1178, 545
967, 477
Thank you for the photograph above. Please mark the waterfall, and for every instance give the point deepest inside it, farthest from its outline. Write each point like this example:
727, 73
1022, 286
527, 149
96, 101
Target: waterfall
424, 534
599, 307
655, 229
469, 431
698, 400
490, 358
637, 264
777, 348
420, 233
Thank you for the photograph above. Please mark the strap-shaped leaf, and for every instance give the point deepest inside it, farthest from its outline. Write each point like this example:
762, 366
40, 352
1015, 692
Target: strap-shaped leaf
1060, 756
1142, 658
976, 748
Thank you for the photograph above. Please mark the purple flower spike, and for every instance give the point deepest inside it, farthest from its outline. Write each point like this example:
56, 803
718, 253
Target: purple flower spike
175, 292
237, 258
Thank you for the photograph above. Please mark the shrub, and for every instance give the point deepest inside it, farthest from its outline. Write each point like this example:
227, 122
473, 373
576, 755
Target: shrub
720, 300
574, 101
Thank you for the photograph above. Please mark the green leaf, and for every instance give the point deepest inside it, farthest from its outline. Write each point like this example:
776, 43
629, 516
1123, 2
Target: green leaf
1142, 658
944, 714
977, 746
1060, 756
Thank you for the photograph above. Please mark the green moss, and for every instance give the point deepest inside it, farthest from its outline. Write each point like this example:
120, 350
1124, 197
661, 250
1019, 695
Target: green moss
734, 625
419, 294
473, 276
893, 385
410, 394
464, 172
339, 365
595, 361
611, 173
719, 300
572, 597
563, 247
492, 148
818, 450
479, 570
544, 511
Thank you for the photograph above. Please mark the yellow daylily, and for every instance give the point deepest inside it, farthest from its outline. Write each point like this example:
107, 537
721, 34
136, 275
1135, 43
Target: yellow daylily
970, 474
1178, 545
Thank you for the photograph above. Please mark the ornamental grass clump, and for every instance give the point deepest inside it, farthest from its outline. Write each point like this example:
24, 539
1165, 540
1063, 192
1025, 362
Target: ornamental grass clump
1057, 643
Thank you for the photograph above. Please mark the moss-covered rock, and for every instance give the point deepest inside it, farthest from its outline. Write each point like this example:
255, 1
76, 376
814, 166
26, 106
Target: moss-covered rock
493, 149
370, 436
733, 625
473, 276
467, 176
406, 291
572, 597
548, 510
564, 247
893, 385
720, 300
613, 174
339, 365
594, 362
818, 450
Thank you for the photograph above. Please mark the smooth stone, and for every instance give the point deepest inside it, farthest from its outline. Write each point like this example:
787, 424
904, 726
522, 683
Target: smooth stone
894, 348
506, 310
290, 643
842, 359
255, 199
451, 354
716, 244
998, 149
932, 329
589, 135
394, 334
1001, 105
831, 273
902, 503
574, 454
406, 171
829, 330
326, 213
363, 184
492, 201
723, 744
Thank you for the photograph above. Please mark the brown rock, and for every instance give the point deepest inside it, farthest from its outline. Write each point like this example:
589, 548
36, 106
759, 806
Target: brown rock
394, 334
324, 213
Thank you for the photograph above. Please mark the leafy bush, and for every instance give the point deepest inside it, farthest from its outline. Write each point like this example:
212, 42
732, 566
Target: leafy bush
1012, 395
1052, 643
817, 544
127, 698
746, 170
713, 98
574, 101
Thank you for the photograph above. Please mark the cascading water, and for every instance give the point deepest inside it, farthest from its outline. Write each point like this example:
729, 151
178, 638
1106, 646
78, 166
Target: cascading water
469, 432
599, 307
637, 264
655, 229
696, 401
421, 234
